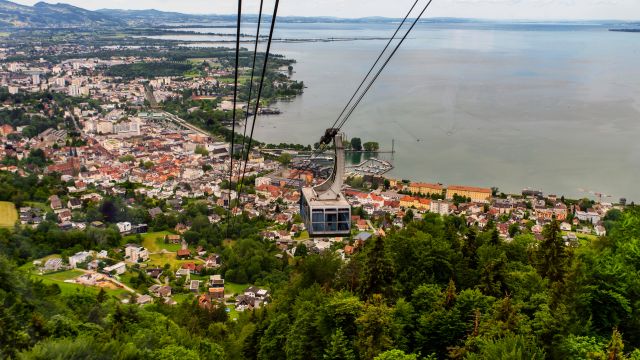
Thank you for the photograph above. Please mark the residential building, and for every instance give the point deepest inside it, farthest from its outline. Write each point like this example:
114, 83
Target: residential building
439, 207
80, 257
590, 215
476, 194
124, 227
425, 188
118, 269
136, 253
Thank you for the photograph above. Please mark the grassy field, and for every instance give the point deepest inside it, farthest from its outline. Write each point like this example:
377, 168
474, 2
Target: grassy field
63, 275
180, 298
58, 278
233, 314
168, 258
8, 214
154, 241
233, 288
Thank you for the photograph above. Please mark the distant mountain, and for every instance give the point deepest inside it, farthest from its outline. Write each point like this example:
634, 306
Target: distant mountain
51, 15
63, 15
152, 16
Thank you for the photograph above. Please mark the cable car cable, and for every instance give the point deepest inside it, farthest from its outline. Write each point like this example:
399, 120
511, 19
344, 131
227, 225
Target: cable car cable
253, 70
376, 62
262, 76
235, 99
372, 81
346, 118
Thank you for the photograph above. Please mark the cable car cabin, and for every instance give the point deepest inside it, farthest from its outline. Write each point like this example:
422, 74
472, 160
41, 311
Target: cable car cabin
324, 208
325, 218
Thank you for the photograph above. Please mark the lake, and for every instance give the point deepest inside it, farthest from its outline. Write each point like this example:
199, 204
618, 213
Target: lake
552, 107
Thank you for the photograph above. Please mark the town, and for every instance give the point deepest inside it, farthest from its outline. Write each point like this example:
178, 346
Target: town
111, 145
140, 218
120, 141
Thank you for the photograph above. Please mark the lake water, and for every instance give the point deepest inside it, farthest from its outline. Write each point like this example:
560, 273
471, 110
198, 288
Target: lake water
551, 107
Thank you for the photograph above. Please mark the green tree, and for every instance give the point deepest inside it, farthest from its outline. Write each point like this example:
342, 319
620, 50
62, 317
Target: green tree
514, 229
396, 355
201, 150
371, 146
378, 271
272, 344
512, 347
551, 255
615, 347
339, 347
175, 352
285, 159
356, 144
374, 329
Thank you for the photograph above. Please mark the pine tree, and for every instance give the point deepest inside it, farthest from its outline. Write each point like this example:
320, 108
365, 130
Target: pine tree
102, 296
450, 295
339, 347
551, 254
378, 272
374, 329
470, 248
615, 347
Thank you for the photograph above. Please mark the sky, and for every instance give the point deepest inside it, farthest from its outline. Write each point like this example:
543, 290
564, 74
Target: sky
485, 9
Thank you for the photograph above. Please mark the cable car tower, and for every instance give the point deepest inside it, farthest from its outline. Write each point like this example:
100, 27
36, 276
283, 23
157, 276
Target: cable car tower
325, 210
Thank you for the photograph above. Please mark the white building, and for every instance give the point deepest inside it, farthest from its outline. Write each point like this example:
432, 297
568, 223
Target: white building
124, 226
135, 253
79, 258
103, 127
127, 127
263, 181
74, 90
439, 207
589, 215
118, 268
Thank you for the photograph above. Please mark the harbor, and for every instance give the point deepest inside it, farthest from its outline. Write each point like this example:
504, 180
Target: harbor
372, 166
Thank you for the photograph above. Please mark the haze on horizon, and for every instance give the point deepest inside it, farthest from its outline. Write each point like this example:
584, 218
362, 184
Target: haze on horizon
480, 9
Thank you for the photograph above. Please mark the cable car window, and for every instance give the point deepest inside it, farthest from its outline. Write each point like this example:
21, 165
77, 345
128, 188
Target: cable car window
332, 221
317, 216
343, 215
317, 227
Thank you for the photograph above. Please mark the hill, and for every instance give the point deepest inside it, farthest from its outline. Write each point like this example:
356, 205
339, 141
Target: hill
51, 15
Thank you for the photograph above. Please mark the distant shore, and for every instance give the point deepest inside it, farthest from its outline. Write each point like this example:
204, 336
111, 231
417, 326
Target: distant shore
626, 30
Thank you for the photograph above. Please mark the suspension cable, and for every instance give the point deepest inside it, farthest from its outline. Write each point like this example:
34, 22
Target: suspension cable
235, 99
257, 104
376, 62
321, 148
346, 118
253, 70
262, 76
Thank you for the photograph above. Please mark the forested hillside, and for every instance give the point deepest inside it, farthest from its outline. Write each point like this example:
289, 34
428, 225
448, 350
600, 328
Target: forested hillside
434, 290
